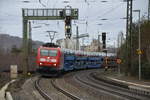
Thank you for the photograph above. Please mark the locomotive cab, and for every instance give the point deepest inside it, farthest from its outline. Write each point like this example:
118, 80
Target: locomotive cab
48, 59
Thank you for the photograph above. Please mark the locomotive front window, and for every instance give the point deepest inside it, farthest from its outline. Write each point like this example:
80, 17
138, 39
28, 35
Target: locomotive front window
44, 52
52, 52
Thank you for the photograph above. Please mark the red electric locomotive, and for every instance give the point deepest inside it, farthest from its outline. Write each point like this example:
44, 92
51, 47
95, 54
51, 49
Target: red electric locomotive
48, 60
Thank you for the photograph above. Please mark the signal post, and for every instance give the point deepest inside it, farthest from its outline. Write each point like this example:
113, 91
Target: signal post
118, 61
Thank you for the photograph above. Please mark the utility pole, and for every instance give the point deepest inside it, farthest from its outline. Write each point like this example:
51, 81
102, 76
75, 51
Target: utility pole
25, 47
118, 44
129, 34
149, 10
139, 49
139, 46
120, 39
77, 38
115, 47
29, 46
30, 38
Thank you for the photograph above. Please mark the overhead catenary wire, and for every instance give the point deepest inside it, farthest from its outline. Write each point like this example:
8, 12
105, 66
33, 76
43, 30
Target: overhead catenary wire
110, 11
42, 3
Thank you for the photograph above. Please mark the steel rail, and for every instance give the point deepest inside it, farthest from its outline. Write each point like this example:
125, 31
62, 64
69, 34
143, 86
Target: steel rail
73, 97
43, 94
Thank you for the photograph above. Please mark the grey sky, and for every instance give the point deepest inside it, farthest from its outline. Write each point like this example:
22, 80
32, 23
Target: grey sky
93, 12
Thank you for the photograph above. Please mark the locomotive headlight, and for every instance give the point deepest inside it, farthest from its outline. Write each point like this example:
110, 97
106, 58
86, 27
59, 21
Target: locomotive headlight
42, 59
53, 60
54, 64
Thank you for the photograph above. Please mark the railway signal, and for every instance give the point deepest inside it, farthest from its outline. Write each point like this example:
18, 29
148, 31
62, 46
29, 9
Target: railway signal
118, 61
106, 63
68, 26
104, 40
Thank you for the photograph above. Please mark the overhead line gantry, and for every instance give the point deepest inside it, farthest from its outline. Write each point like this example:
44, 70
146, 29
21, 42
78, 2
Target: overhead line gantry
66, 14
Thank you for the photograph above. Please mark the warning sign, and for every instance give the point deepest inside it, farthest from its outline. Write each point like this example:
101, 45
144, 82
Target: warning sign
118, 61
139, 52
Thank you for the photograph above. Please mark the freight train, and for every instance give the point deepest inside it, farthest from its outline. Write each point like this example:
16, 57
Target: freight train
54, 60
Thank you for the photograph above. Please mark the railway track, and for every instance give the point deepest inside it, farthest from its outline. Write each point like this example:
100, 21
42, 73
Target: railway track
109, 88
41, 91
128, 88
86, 92
87, 80
53, 82
73, 97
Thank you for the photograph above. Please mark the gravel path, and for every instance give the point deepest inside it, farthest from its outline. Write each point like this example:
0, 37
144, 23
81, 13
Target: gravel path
27, 91
4, 78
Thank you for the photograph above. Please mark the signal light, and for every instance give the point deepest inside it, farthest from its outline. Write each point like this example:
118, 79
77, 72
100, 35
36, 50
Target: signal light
104, 40
68, 29
54, 64
68, 26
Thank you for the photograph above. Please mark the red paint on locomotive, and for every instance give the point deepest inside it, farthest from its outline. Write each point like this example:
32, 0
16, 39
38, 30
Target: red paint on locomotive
48, 57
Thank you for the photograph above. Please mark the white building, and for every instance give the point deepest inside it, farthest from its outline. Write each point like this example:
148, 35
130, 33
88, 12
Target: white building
67, 43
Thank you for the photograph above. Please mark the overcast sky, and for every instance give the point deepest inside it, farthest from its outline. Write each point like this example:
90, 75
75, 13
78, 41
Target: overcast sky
91, 11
